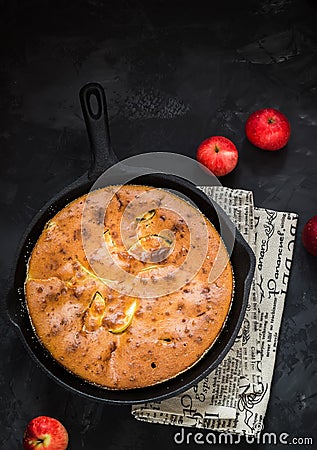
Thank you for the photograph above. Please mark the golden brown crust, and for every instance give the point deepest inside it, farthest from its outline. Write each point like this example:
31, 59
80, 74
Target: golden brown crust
107, 337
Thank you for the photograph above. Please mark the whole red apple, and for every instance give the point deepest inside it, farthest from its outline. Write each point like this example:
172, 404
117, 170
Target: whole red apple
45, 433
218, 154
309, 236
268, 129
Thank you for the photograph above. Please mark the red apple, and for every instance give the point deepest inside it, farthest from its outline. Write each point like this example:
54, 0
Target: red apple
45, 433
268, 129
218, 154
309, 236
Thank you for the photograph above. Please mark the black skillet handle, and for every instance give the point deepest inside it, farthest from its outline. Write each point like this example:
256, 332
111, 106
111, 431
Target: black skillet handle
97, 124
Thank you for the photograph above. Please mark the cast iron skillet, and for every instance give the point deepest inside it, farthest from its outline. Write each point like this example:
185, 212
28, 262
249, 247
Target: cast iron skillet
242, 258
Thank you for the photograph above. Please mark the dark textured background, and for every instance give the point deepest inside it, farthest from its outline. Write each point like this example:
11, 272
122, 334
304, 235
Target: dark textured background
175, 72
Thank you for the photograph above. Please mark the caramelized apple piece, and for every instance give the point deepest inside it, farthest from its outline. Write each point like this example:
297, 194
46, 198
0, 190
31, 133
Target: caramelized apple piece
123, 324
146, 216
108, 237
95, 312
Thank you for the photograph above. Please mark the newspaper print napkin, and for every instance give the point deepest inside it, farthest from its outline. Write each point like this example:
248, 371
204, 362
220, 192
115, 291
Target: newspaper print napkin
238, 204
235, 395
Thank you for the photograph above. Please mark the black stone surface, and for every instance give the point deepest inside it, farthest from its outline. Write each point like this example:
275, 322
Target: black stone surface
175, 73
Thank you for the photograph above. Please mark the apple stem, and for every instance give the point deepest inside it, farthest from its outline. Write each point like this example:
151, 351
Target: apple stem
270, 120
216, 149
36, 442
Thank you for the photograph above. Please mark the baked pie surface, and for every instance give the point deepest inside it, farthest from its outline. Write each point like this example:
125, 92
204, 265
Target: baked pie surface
104, 335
